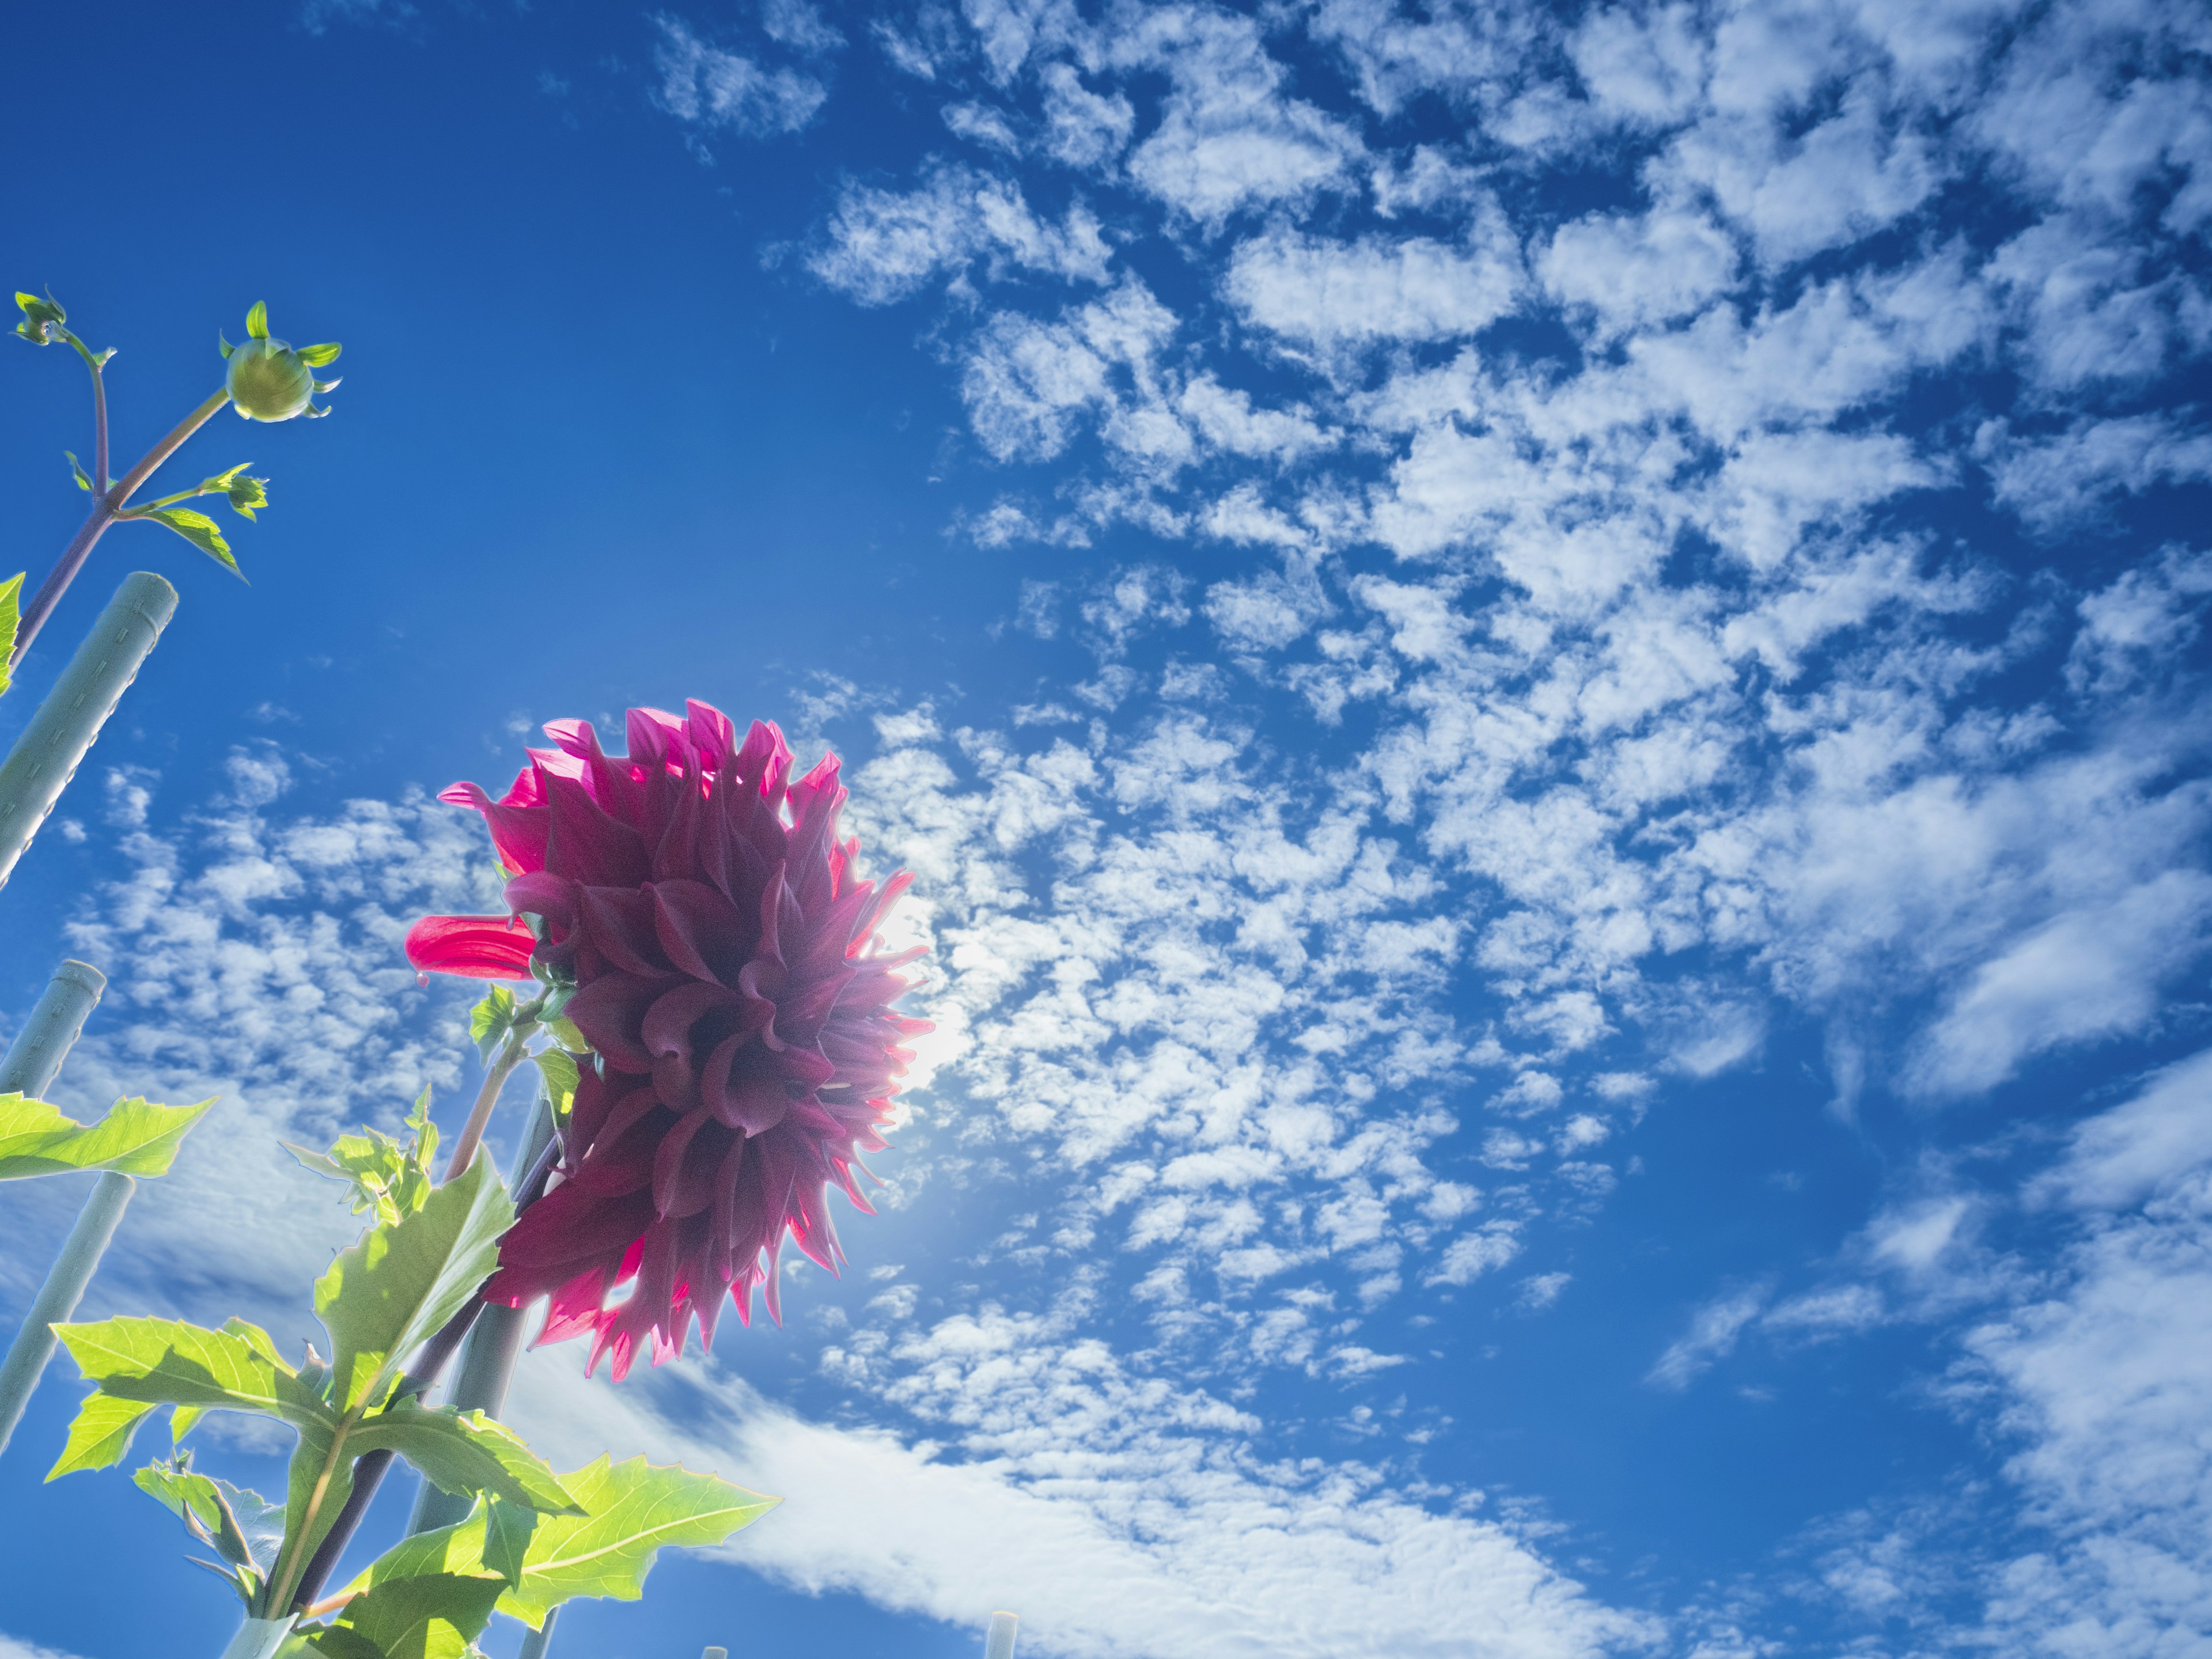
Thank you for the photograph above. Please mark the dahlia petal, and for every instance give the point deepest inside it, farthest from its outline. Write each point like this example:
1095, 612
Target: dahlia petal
479, 947
678, 1190
712, 736
655, 737
619, 921
542, 893
611, 1010
669, 1021
751, 1102
518, 833
699, 930
585, 842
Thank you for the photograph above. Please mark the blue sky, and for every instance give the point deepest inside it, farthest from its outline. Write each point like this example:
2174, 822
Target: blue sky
1542, 672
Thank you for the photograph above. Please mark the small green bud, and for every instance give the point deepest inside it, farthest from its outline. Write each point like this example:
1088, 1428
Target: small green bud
42, 318
269, 380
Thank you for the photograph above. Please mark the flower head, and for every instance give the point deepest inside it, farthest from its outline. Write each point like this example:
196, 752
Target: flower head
268, 379
730, 980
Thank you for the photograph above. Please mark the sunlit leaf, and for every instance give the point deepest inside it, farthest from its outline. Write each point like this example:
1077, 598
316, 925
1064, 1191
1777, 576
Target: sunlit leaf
383, 1297
201, 531
134, 1138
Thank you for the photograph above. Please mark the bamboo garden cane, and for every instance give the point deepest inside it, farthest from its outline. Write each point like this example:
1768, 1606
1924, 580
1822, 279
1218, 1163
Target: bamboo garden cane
32, 1062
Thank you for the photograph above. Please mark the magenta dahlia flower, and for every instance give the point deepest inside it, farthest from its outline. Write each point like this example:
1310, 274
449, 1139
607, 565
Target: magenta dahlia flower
730, 980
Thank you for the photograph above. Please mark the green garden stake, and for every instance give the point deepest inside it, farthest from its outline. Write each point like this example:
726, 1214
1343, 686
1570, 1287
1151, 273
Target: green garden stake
32, 1062
46, 756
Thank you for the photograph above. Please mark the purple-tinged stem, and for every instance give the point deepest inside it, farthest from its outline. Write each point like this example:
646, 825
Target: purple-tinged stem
104, 510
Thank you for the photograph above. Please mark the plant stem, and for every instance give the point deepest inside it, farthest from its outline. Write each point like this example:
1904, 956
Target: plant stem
99, 420
533, 1167
511, 1054
368, 1470
112, 501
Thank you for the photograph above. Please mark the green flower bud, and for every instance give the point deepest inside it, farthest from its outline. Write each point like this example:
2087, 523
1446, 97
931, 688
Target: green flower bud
270, 381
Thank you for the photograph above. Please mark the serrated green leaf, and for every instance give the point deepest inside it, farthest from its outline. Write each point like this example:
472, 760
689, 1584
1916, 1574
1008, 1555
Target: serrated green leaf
565, 1032
383, 1297
82, 483
134, 1138
201, 531
636, 1509
100, 1434
257, 321
428, 1616
316, 355
493, 1540
466, 1453
183, 1420
166, 1362
242, 1526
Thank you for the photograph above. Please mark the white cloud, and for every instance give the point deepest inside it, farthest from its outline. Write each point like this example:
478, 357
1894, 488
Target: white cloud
1711, 1337
2051, 483
2090, 973
1634, 270
880, 246
1328, 295
1229, 138
709, 87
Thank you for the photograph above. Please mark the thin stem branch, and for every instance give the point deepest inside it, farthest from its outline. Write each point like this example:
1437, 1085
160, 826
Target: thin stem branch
99, 419
168, 445
111, 501
511, 1054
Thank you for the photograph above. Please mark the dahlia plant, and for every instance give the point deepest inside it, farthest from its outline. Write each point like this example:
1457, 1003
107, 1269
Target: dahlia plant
707, 1004
708, 1012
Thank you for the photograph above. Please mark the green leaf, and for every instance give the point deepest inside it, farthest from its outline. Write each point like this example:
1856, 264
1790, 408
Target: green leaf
558, 1068
100, 1434
636, 1509
10, 616
491, 1019
465, 1453
134, 1138
82, 483
183, 1420
383, 1297
426, 1616
392, 1178
316, 355
257, 321
166, 1362
201, 531
244, 1527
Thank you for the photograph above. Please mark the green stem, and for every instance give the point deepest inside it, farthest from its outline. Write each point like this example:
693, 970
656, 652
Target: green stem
511, 1054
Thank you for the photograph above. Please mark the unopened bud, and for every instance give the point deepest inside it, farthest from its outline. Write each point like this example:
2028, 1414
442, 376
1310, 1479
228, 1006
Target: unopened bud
270, 381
